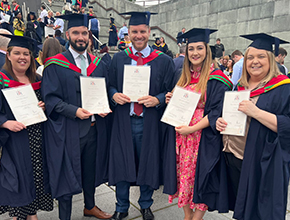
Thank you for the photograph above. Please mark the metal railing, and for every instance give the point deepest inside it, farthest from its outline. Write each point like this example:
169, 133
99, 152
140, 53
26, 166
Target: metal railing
146, 3
47, 6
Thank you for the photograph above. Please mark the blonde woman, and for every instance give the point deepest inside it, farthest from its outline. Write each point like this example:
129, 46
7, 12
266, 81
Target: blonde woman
198, 76
258, 163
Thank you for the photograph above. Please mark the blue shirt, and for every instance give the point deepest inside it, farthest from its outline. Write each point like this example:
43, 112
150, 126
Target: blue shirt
123, 30
94, 24
237, 71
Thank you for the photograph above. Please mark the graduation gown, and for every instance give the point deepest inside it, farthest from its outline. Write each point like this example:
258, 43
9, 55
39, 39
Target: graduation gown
157, 47
113, 37
210, 185
16, 172
37, 29
122, 44
63, 131
106, 58
7, 26
157, 163
2, 59
164, 48
263, 187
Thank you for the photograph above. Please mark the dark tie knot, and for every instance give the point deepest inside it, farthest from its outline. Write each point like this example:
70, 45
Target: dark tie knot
139, 54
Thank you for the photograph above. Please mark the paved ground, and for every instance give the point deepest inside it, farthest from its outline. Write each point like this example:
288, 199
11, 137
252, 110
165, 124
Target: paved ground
105, 199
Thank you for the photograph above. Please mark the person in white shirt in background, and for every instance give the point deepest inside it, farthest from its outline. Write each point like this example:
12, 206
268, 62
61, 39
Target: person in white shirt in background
59, 23
42, 15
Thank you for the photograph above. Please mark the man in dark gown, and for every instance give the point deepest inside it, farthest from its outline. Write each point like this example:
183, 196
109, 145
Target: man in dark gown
141, 150
76, 140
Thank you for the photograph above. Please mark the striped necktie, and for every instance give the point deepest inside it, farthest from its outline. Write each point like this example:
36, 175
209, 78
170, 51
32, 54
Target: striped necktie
138, 109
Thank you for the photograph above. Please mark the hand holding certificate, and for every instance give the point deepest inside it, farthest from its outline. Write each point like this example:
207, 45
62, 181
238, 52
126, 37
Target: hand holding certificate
48, 31
136, 81
24, 105
181, 107
7, 18
236, 120
94, 95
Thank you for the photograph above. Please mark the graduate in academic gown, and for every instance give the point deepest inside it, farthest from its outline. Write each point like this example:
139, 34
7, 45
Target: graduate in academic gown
124, 43
164, 46
6, 10
22, 168
113, 36
77, 145
104, 55
260, 160
32, 17
141, 150
198, 75
156, 45
16, 8
211, 179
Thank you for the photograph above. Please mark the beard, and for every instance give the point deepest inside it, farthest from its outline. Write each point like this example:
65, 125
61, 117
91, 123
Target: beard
76, 47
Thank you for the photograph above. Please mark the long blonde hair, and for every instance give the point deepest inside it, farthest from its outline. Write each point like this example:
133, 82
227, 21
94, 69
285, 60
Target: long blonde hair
185, 77
273, 72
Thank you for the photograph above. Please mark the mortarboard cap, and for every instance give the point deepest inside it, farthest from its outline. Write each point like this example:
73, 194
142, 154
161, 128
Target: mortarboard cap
91, 7
5, 3
264, 41
17, 12
20, 41
112, 19
103, 46
197, 35
125, 34
76, 20
138, 18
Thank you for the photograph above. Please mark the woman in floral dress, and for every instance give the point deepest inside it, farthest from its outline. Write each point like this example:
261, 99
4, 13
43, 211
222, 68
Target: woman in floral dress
196, 73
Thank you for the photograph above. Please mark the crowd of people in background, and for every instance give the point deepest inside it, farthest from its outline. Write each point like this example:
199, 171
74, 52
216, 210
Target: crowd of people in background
47, 24
75, 151
231, 64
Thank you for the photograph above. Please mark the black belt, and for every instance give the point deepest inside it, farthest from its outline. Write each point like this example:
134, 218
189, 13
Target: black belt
136, 116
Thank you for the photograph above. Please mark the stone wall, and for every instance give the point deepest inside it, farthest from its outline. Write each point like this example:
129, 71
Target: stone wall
231, 17
34, 5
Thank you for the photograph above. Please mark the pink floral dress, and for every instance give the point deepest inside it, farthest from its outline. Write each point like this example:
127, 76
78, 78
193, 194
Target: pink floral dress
186, 158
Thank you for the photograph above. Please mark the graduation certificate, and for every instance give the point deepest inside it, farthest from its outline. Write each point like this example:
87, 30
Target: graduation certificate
48, 31
94, 95
236, 119
24, 105
181, 107
136, 81
6, 18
